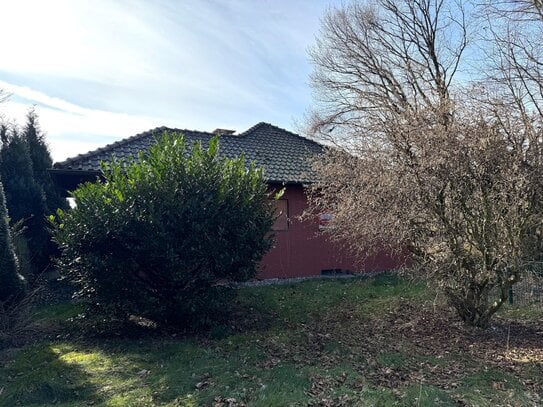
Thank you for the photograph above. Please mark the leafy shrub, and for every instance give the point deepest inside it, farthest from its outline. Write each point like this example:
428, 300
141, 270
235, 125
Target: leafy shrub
163, 236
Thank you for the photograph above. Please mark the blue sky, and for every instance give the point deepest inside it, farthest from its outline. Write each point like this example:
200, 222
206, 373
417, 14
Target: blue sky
102, 70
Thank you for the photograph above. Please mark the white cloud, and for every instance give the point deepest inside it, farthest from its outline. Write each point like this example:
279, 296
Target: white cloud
76, 39
73, 129
101, 70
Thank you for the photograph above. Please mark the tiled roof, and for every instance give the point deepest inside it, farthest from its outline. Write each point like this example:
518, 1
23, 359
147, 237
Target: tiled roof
283, 155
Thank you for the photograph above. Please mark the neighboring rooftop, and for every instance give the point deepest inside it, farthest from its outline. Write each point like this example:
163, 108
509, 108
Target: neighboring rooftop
283, 155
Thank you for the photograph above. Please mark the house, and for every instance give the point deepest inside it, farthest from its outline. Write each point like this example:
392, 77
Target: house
299, 249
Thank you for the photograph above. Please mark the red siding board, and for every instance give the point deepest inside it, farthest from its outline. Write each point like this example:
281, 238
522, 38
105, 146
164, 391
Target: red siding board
302, 251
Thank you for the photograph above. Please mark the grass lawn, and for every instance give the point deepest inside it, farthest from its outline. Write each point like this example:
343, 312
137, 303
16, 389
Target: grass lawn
382, 341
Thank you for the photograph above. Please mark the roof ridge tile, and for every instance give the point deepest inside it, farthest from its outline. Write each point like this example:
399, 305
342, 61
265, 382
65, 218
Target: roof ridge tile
273, 126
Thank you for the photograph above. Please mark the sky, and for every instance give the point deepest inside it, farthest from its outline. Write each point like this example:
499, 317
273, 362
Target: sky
102, 70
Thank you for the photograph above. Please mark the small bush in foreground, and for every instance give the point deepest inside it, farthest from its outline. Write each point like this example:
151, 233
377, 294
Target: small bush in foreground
163, 236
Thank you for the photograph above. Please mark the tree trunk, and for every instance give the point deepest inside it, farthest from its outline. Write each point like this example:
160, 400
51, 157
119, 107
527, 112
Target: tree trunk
473, 305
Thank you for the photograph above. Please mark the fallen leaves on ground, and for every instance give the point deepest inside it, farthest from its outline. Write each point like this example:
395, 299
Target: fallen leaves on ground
433, 346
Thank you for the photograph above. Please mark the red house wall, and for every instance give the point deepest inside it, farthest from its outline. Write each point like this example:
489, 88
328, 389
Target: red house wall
301, 251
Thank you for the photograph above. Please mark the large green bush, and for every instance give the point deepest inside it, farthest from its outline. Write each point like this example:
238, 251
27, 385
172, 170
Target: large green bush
164, 235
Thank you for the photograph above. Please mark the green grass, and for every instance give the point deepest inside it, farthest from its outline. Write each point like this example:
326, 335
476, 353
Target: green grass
428, 396
526, 312
58, 312
493, 387
324, 340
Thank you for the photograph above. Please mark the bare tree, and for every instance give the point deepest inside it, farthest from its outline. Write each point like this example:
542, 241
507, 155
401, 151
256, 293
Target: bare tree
514, 46
421, 162
379, 63
515, 10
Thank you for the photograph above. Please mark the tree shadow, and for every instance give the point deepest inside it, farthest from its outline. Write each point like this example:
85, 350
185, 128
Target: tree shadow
39, 376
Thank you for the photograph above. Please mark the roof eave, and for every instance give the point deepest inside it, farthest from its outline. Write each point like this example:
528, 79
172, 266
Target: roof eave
90, 173
63, 171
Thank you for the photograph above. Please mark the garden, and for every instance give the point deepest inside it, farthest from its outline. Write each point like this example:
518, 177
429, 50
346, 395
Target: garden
151, 307
380, 341
144, 290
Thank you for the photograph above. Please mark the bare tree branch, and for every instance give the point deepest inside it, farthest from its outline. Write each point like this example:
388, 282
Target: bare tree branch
450, 170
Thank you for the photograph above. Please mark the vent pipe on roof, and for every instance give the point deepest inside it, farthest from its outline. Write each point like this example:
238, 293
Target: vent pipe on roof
219, 132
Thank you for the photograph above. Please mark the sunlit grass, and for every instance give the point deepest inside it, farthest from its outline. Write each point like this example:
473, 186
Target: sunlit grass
276, 365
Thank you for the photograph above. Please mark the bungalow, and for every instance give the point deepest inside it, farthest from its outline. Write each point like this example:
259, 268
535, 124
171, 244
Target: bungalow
299, 249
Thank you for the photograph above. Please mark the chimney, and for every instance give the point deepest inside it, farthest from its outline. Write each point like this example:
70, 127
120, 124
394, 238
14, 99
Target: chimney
220, 132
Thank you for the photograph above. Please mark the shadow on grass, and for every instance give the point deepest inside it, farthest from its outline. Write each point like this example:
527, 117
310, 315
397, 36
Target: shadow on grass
373, 341
201, 372
39, 376
254, 309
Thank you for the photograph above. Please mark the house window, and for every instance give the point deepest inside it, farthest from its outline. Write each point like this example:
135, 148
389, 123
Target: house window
281, 215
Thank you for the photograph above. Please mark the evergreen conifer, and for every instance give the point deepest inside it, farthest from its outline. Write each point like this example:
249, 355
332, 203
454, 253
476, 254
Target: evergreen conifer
25, 199
11, 282
42, 162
